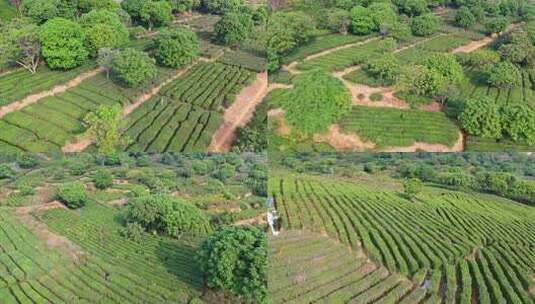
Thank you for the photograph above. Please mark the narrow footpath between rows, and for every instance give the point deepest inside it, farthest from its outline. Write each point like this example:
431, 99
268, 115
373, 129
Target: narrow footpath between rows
80, 144
31, 99
239, 113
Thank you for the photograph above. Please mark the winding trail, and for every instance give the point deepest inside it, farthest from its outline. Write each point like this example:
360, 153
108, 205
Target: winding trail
31, 99
80, 144
239, 113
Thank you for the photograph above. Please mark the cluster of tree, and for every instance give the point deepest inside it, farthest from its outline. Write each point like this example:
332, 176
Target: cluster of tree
500, 183
487, 118
502, 67
499, 173
66, 33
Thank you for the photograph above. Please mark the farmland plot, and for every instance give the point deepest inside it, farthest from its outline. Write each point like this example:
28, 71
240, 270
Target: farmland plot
108, 272
186, 113
397, 128
21, 83
455, 246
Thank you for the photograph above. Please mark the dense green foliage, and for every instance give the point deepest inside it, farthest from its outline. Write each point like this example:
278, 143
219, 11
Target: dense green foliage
166, 215
177, 47
103, 29
132, 67
235, 259
233, 28
62, 43
317, 101
73, 195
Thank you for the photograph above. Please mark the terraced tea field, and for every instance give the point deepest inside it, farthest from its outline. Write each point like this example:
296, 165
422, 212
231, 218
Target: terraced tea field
110, 270
389, 128
186, 113
444, 246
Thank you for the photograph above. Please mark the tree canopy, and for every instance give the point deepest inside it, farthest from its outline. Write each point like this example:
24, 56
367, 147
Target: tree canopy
316, 101
132, 67
233, 28
235, 259
176, 47
102, 126
62, 43
103, 29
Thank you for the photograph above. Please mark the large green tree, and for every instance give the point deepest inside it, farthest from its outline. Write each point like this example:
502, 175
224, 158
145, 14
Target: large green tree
362, 22
177, 47
103, 29
425, 25
317, 101
464, 17
20, 45
62, 43
505, 75
156, 13
223, 6
482, 117
235, 259
133, 67
233, 28
519, 122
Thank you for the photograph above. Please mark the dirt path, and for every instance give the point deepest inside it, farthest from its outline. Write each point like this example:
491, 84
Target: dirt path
275, 86
259, 220
239, 113
40, 229
80, 144
341, 141
31, 99
475, 45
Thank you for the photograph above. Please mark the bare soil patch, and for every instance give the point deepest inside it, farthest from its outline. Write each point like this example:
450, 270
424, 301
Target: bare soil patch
31, 99
51, 239
239, 113
120, 202
432, 107
341, 141
259, 220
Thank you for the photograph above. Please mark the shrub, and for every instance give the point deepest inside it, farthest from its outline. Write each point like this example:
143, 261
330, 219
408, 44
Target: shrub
176, 47
505, 75
386, 69
133, 232
73, 195
5, 171
132, 67
377, 96
464, 17
362, 22
62, 43
496, 25
102, 179
28, 161
412, 187
231, 252
166, 215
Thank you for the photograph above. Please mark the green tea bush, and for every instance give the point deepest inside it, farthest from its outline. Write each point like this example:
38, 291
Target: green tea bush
6, 171
102, 179
28, 161
73, 195
166, 215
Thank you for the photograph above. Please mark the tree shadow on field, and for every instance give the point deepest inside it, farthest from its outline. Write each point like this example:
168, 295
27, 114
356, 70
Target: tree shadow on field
178, 257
